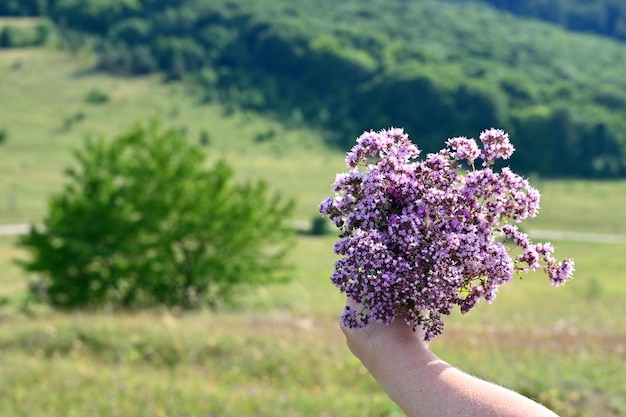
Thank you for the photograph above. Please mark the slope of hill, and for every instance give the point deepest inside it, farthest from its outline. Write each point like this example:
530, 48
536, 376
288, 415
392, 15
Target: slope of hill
47, 108
358, 65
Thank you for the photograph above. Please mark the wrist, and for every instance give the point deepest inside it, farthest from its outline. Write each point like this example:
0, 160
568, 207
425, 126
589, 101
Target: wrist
390, 348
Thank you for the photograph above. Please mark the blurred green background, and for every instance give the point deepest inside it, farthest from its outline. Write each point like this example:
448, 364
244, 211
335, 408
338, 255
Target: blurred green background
280, 90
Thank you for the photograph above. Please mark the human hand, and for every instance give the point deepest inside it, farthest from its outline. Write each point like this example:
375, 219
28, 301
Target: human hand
378, 342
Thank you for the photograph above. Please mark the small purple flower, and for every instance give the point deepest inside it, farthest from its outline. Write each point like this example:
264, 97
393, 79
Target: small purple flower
418, 238
464, 148
561, 271
496, 146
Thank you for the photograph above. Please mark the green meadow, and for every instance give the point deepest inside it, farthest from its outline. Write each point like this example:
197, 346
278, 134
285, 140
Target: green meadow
281, 353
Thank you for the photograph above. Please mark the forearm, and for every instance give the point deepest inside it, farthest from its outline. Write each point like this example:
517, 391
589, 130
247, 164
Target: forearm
424, 386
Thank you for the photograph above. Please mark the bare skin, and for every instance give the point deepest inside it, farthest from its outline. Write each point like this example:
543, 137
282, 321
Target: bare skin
425, 386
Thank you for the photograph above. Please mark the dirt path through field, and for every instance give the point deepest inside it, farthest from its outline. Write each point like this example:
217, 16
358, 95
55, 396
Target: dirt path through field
13, 229
18, 229
577, 236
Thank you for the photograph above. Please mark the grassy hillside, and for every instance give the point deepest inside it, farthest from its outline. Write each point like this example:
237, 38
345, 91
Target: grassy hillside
41, 134
46, 114
282, 353
354, 65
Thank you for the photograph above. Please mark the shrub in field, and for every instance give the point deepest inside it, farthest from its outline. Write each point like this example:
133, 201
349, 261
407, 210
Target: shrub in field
319, 226
204, 139
9, 37
20, 37
97, 96
142, 221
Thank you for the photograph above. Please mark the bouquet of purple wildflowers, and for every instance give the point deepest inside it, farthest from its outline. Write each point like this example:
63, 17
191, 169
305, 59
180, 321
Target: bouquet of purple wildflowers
418, 237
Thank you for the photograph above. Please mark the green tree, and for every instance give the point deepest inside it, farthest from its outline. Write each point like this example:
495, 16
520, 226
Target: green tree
143, 222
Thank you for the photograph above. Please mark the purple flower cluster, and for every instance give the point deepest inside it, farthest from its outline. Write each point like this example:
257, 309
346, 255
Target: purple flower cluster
418, 237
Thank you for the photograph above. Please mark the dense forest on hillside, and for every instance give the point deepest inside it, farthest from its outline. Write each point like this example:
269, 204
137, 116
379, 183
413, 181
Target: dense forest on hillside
605, 17
355, 65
